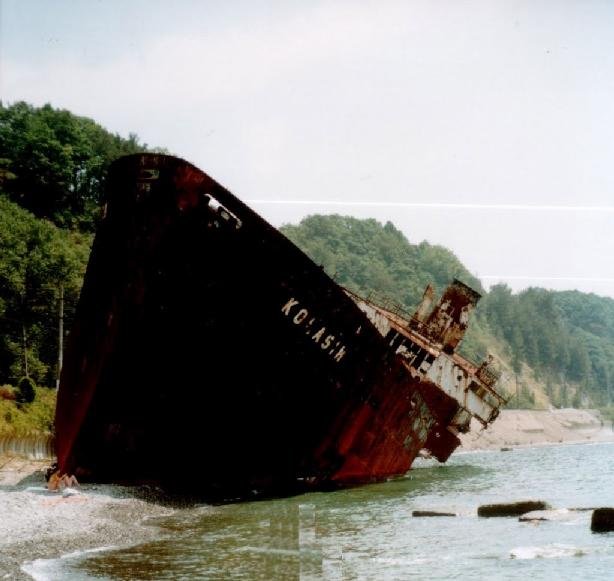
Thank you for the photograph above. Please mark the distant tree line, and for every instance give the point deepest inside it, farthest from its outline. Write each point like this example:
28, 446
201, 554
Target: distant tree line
38, 261
566, 337
53, 163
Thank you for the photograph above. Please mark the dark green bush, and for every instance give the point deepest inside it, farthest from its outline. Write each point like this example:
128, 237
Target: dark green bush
26, 390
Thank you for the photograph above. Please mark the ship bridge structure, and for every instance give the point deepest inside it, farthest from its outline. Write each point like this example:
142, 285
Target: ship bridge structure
428, 341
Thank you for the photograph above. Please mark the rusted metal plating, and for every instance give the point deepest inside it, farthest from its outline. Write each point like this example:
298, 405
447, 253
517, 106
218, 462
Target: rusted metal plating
427, 342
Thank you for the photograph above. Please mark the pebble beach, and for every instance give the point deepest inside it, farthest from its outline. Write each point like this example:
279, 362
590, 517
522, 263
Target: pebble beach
37, 524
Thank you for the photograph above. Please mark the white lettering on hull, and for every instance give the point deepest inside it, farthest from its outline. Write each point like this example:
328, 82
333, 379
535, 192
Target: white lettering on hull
288, 306
300, 316
327, 342
318, 335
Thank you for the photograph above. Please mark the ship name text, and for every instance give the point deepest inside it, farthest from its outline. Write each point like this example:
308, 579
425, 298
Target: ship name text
316, 330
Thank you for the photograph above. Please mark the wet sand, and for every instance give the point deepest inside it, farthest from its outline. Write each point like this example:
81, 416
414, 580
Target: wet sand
35, 523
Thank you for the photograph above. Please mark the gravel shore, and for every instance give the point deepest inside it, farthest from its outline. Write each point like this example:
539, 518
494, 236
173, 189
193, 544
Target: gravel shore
37, 524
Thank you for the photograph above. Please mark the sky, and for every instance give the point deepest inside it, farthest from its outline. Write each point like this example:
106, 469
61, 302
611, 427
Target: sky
484, 126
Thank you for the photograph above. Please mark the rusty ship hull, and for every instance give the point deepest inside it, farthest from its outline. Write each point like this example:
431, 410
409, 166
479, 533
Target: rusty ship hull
206, 343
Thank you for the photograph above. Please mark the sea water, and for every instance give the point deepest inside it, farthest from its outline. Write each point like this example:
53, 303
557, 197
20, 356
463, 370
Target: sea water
369, 532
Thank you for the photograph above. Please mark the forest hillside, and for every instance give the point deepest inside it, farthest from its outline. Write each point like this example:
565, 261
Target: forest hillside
556, 348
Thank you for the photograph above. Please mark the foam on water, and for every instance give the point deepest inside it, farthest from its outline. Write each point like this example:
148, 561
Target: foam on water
53, 569
37, 523
547, 552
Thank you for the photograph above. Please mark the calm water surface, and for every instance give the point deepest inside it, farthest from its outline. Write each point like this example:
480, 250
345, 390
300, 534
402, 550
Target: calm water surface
369, 533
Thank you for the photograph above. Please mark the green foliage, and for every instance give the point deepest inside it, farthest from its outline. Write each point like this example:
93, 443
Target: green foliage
366, 257
52, 168
36, 259
567, 338
608, 414
587, 311
523, 399
26, 390
477, 343
53, 163
20, 420
377, 260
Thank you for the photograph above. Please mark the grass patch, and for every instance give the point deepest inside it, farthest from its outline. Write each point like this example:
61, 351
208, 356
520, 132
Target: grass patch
28, 419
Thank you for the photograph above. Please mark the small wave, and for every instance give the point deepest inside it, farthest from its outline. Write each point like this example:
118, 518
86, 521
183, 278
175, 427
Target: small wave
547, 552
50, 569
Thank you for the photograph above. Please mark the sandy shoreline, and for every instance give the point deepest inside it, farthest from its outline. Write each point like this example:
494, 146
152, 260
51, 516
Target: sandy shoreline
521, 428
35, 524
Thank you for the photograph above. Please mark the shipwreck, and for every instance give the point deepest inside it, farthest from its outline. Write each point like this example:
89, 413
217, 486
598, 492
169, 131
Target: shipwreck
205, 342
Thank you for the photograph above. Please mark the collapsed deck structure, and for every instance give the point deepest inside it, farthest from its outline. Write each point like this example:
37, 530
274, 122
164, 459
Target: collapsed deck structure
204, 340
456, 389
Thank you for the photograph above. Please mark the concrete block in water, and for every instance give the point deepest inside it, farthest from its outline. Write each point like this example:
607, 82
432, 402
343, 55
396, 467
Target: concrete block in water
512, 508
431, 513
602, 520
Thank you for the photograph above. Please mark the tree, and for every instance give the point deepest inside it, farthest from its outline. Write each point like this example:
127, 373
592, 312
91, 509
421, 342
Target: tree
368, 257
53, 163
36, 259
26, 390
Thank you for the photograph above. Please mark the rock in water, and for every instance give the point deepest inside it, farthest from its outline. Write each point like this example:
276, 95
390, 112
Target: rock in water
431, 513
512, 508
602, 520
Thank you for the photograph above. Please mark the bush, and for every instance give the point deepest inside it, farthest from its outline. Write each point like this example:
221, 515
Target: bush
7, 392
25, 420
26, 390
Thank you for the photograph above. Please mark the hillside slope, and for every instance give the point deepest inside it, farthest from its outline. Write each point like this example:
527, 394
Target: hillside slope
557, 347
